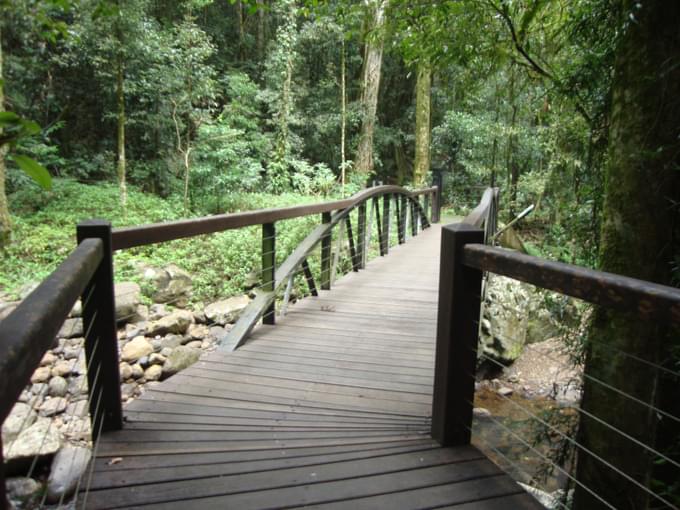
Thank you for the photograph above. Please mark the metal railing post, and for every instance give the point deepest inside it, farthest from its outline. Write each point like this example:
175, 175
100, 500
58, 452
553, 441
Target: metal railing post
456, 345
269, 269
101, 339
385, 240
361, 236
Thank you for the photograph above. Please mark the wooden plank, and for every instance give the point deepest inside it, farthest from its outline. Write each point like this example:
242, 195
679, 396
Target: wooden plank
408, 468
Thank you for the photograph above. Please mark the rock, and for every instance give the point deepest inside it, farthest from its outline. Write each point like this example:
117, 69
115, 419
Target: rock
166, 351
170, 285
71, 328
57, 387
142, 314
136, 348
77, 409
41, 375
53, 406
71, 352
23, 490
62, 368
133, 330
171, 341
156, 359
199, 316
128, 296
137, 371
153, 373
67, 467
504, 391
227, 310
217, 332
77, 386
196, 344
48, 359
157, 344
144, 361
177, 322
125, 371
181, 358
40, 389
39, 440
157, 311
550, 501
21, 416
198, 331
77, 310
128, 390
481, 412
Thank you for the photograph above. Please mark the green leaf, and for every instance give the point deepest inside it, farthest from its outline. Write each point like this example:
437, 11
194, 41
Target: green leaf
34, 170
8, 119
28, 128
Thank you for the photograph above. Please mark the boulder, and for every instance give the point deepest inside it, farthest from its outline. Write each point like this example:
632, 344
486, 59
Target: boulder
71, 328
136, 348
153, 373
128, 297
168, 285
67, 467
21, 417
158, 311
137, 371
23, 492
41, 375
226, 311
125, 371
180, 358
53, 406
58, 387
63, 368
177, 322
39, 440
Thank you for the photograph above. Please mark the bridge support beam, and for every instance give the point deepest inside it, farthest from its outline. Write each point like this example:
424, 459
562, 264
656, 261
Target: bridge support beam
326, 242
361, 236
101, 337
269, 268
457, 331
385, 238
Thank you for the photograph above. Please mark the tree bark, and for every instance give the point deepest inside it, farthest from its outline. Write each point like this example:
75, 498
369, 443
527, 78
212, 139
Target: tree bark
241, 32
639, 238
5, 218
260, 30
423, 95
511, 159
343, 113
120, 162
371, 87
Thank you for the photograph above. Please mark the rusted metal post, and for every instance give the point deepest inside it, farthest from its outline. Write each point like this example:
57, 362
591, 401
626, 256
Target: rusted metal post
101, 339
457, 330
326, 254
269, 268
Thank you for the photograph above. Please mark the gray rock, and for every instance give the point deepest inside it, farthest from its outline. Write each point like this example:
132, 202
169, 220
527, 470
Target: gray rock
128, 296
58, 386
227, 310
63, 368
77, 409
196, 344
481, 412
144, 361
142, 313
137, 371
67, 467
170, 285
136, 348
23, 490
177, 322
39, 440
133, 330
128, 390
53, 406
125, 371
217, 332
504, 391
71, 352
41, 375
21, 417
157, 359
157, 311
198, 331
199, 316
153, 373
71, 328
48, 359
171, 341
166, 351
181, 358
77, 386
40, 389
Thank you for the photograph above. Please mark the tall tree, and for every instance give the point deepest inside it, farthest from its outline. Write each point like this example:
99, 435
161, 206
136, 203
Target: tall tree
639, 238
5, 218
421, 165
375, 11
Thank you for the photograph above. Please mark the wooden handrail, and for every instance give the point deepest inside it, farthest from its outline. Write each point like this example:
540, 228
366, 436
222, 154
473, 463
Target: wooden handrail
480, 213
650, 301
130, 237
27, 332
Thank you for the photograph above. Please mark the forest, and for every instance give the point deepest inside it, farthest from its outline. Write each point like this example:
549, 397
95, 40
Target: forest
141, 111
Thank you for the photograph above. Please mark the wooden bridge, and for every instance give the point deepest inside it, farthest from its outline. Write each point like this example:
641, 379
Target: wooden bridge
359, 397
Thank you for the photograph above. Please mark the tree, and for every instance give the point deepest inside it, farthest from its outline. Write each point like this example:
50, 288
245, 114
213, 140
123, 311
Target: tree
639, 238
375, 13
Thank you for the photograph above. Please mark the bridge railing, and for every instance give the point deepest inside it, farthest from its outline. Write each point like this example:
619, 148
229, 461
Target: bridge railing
464, 259
31, 329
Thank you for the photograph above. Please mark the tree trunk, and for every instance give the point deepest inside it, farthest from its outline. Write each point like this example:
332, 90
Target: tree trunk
639, 238
241, 32
260, 31
120, 163
343, 113
5, 218
423, 92
371, 87
494, 145
511, 158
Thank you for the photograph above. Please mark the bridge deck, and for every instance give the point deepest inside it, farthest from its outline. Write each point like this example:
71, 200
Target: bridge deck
328, 409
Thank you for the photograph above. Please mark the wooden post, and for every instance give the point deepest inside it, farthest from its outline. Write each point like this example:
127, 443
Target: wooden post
385, 240
352, 249
101, 339
269, 268
401, 227
361, 236
457, 331
326, 242
376, 208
